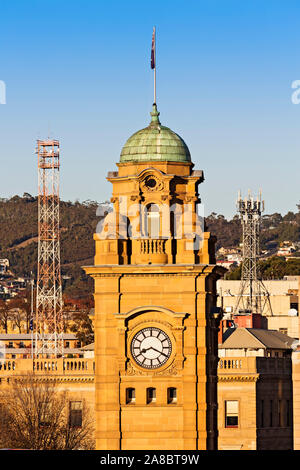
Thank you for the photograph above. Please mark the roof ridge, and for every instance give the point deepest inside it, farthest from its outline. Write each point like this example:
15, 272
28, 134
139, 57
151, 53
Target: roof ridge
258, 339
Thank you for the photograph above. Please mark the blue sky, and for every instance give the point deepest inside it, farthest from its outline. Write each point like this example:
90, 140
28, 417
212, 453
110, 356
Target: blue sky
80, 71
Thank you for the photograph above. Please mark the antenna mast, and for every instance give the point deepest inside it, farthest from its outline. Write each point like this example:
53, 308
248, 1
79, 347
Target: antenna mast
253, 296
49, 318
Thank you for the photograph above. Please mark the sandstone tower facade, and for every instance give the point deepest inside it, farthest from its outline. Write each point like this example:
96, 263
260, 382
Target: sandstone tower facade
155, 294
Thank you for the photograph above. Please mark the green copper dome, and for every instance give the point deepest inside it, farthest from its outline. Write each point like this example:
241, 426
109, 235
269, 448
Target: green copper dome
155, 143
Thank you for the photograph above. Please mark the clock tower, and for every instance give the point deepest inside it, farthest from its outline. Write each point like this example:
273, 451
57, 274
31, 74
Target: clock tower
155, 295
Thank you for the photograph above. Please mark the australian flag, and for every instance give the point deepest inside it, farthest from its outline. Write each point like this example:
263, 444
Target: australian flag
153, 50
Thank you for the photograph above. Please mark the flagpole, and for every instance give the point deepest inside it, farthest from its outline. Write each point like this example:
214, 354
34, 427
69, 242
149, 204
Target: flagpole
154, 65
153, 60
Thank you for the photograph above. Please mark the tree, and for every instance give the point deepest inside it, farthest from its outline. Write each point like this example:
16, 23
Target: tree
5, 315
35, 415
272, 268
83, 327
17, 313
23, 301
234, 274
289, 217
17, 318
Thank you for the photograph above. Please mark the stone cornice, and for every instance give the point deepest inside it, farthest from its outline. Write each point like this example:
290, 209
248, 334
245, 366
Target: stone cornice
163, 270
55, 378
150, 270
238, 378
146, 274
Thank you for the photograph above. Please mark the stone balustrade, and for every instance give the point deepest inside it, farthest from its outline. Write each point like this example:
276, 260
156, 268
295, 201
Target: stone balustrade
254, 365
228, 364
60, 366
151, 246
150, 251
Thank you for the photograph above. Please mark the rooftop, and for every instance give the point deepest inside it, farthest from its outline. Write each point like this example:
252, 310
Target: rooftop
155, 143
20, 336
254, 338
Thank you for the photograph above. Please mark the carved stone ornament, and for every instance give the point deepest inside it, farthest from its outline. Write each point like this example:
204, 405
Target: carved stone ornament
130, 370
171, 370
152, 183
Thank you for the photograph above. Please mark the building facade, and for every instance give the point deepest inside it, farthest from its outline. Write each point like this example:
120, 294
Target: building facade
71, 375
155, 295
296, 393
22, 345
284, 301
255, 391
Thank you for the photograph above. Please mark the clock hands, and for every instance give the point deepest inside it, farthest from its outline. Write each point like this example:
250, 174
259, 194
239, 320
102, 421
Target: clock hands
145, 350
151, 347
160, 352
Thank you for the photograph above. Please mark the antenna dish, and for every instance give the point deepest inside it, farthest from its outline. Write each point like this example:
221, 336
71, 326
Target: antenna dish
292, 312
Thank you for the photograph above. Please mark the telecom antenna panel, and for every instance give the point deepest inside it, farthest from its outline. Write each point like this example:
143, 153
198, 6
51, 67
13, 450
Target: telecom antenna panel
253, 295
49, 305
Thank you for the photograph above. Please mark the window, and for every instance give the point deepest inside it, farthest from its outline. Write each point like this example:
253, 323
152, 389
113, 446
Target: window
130, 395
271, 413
262, 417
75, 414
151, 395
172, 395
231, 414
152, 221
288, 413
151, 183
280, 414
45, 409
283, 330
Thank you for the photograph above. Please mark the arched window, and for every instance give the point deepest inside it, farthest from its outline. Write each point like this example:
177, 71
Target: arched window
130, 395
151, 395
152, 221
172, 395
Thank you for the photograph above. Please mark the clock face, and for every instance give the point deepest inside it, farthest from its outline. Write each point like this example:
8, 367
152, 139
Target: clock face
151, 347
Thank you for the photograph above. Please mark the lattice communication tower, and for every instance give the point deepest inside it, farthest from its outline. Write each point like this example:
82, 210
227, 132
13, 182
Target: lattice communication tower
49, 305
253, 295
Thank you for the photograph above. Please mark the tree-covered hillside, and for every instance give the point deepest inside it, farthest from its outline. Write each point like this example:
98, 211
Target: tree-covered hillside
19, 230
78, 221
275, 229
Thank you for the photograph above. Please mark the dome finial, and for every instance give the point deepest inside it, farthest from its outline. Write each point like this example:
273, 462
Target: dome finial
154, 115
